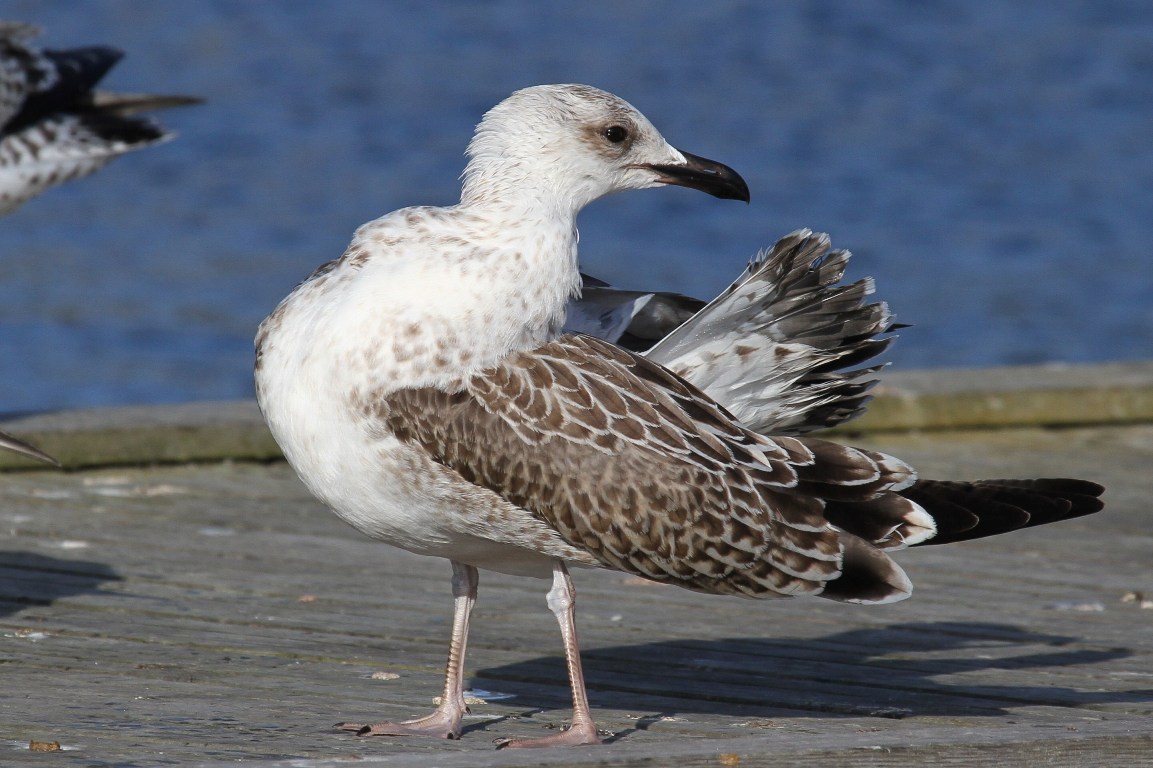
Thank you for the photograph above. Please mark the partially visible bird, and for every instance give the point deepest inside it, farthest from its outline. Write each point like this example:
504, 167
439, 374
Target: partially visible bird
16, 445
54, 125
777, 347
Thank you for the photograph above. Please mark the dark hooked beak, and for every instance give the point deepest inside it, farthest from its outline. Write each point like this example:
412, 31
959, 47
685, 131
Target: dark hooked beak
717, 179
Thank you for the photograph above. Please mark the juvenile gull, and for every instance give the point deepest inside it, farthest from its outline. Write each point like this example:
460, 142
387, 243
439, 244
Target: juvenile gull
421, 388
54, 125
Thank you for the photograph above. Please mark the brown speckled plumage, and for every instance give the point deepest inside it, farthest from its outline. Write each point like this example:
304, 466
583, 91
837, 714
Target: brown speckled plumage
633, 465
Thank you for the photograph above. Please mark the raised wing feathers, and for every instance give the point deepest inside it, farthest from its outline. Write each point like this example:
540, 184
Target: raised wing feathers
775, 346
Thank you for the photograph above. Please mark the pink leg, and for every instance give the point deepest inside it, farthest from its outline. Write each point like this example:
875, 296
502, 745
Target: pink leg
445, 720
562, 602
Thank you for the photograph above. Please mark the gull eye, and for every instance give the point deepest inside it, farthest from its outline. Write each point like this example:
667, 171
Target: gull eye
616, 133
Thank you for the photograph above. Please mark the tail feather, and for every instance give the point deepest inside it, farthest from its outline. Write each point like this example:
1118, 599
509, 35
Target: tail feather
962, 511
1082, 495
868, 575
1000, 506
940, 512
888, 521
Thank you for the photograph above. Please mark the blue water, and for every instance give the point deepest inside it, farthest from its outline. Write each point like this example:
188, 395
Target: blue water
990, 163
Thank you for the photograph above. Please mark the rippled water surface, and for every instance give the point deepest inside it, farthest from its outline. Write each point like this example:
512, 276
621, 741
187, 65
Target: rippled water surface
990, 163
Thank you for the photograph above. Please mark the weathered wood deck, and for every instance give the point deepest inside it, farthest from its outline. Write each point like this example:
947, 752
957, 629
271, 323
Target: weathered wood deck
207, 613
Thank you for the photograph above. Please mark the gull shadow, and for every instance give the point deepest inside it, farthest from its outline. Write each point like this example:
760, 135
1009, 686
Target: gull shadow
30, 579
892, 672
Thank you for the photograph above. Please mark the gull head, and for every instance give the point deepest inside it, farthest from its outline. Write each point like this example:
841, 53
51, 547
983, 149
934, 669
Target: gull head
572, 144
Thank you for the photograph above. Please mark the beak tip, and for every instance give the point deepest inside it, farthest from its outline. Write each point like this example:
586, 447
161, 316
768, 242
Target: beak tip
717, 179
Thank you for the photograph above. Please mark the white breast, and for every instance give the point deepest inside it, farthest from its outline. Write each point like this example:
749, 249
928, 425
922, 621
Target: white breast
392, 319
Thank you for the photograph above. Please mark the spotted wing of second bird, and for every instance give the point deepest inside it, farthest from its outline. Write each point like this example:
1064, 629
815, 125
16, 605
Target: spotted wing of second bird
54, 125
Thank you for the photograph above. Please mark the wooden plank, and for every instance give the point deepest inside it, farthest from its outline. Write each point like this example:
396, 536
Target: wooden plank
205, 614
